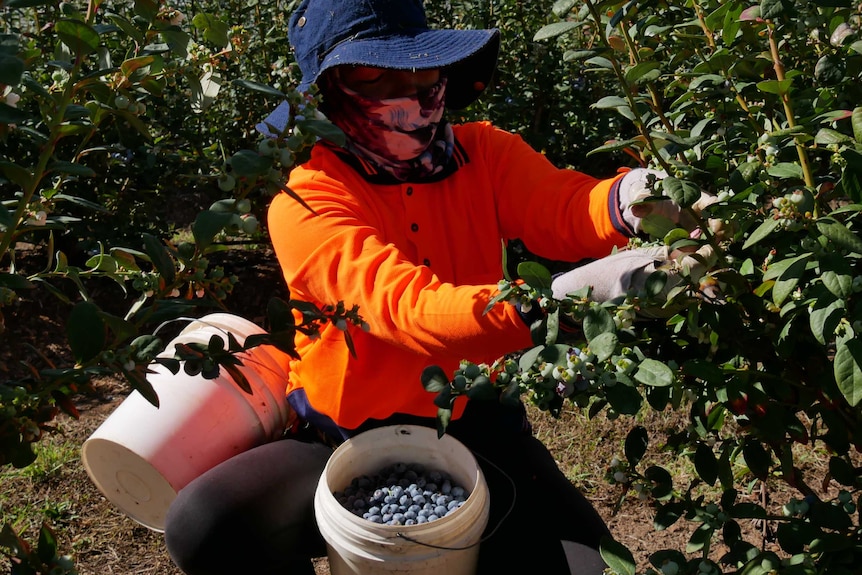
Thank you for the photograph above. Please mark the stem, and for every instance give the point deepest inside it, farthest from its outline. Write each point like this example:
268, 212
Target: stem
654, 96
788, 107
42, 163
627, 91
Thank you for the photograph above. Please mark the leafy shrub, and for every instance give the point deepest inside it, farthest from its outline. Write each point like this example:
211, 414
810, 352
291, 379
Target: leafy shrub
757, 105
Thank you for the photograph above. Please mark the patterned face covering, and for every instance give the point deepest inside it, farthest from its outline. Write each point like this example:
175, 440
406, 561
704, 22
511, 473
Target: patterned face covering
405, 136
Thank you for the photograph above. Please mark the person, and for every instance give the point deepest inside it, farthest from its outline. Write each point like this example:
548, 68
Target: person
407, 222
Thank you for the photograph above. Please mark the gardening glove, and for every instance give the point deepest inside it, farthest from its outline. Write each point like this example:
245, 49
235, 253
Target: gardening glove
636, 186
616, 275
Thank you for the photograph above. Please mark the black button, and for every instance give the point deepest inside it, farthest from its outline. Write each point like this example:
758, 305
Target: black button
426, 262
409, 191
414, 227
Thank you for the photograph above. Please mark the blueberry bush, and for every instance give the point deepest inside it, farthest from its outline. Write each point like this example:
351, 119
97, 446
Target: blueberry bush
757, 104
129, 158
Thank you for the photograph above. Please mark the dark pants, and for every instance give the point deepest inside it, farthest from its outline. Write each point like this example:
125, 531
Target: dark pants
254, 512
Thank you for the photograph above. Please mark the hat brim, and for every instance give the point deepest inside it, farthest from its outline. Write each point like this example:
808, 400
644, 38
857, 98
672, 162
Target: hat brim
468, 57
470, 53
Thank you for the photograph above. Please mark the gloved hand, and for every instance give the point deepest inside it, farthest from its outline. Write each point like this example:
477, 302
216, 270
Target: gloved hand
615, 275
636, 186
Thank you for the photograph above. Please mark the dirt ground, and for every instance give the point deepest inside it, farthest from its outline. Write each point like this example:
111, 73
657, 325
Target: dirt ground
105, 542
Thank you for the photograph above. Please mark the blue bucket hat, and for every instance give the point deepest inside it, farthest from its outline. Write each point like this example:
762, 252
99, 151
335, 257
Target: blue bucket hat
391, 34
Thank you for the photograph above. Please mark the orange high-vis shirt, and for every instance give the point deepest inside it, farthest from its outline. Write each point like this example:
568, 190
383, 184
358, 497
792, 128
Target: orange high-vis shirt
422, 260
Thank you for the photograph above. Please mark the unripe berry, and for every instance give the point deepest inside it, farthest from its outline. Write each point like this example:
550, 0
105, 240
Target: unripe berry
226, 182
249, 223
267, 147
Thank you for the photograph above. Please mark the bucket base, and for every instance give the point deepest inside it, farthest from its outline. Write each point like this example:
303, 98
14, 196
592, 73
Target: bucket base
128, 481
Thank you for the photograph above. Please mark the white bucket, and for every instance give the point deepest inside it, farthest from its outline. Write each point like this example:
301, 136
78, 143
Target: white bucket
358, 546
141, 456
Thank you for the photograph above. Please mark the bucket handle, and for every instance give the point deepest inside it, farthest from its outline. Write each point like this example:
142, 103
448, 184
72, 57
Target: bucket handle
493, 531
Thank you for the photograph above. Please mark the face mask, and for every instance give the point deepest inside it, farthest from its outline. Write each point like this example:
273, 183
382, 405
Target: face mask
395, 129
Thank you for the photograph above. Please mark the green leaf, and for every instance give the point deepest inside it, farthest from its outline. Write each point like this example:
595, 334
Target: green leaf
147, 9
617, 556
654, 373
555, 29
10, 115
616, 146
827, 136
323, 129
700, 538
683, 192
46, 548
851, 177
250, 164
85, 331
643, 72
829, 70
597, 321
434, 379
662, 481
764, 230
756, 458
848, 370
600, 63
160, 258
79, 37
15, 281
636, 444
837, 275
787, 274
535, 275
842, 471
574, 55
745, 510
11, 70
706, 464
481, 389
604, 345
207, 225
786, 171
17, 175
215, 29
624, 399
824, 317
610, 103
856, 121
840, 235
258, 87
71, 168
127, 27
777, 87
443, 418
130, 66
771, 8
668, 514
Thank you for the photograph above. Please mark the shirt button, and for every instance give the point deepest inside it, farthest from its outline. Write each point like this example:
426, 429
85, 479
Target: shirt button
426, 262
410, 191
414, 227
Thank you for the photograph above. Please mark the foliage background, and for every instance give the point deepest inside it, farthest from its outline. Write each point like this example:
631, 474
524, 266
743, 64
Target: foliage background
128, 157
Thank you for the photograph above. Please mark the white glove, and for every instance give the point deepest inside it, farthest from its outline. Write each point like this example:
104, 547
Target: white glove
636, 186
615, 275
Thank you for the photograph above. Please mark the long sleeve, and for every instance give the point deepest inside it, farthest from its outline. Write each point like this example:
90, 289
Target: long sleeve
421, 260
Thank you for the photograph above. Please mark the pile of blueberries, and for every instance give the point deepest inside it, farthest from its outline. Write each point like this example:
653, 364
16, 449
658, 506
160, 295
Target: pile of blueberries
402, 494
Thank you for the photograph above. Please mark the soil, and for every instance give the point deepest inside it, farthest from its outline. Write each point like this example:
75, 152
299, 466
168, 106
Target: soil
103, 541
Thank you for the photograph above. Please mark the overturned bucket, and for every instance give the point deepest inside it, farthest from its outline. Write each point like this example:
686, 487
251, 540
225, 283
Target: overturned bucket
141, 455
447, 545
